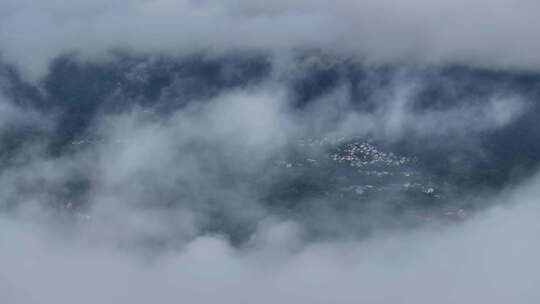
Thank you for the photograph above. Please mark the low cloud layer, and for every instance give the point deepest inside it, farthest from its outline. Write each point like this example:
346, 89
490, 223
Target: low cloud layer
488, 259
494, 34
274, 152
156, 182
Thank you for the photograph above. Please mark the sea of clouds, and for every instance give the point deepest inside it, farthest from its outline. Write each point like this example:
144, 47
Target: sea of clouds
154, 182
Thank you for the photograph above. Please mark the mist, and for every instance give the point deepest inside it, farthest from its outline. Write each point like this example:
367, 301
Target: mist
480, 33
488, 259
273, 152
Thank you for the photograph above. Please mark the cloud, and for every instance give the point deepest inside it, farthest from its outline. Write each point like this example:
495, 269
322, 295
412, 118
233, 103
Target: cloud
184, 204
13, 117
481, 33
489, 258
217, 155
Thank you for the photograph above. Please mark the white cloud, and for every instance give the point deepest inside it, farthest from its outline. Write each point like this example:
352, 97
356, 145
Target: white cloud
205, 158
484, 33
490, 258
